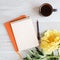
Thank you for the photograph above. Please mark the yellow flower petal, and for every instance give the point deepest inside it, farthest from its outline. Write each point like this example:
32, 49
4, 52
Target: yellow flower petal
50, 41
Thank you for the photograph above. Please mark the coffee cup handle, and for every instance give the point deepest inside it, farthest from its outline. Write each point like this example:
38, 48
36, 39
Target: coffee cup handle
54, 10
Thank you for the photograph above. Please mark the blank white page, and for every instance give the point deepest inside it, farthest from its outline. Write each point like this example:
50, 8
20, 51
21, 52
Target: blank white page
24, 34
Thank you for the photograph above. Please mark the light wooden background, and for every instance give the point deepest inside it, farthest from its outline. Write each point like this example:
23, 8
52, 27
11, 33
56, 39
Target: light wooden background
10, 9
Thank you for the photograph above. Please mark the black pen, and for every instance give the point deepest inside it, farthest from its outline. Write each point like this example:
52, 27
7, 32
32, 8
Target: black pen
38, 34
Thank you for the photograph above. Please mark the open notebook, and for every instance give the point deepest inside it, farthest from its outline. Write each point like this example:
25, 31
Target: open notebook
23, 34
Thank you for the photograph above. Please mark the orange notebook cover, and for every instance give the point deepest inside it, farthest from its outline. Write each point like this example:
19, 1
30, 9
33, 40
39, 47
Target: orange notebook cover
9, 30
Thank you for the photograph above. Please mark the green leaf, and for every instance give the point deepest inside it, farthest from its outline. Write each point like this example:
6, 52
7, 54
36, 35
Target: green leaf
39, 52
28, 57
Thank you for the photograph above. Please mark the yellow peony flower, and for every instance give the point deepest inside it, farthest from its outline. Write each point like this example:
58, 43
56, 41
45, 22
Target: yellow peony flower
50, 41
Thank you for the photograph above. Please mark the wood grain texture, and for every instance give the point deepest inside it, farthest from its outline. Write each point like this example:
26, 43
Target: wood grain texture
12, 8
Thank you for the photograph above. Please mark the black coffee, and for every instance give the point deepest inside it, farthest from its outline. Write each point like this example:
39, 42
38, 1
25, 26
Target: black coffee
46, 10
